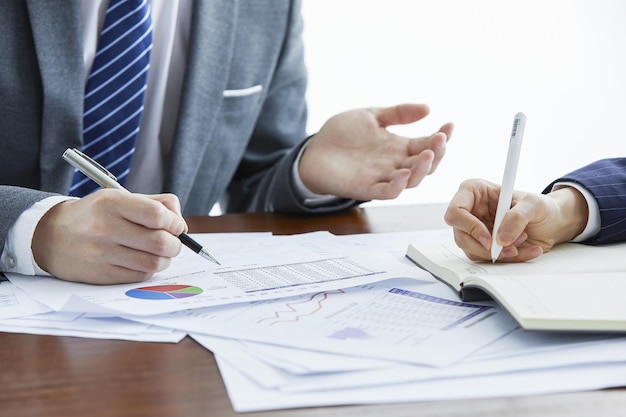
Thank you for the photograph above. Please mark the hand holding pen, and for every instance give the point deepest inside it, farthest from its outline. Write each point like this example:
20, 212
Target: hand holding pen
478, 209
109, 237
105, 179
532, 226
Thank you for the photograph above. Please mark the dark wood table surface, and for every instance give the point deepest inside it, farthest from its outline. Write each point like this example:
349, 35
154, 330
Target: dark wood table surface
71, 377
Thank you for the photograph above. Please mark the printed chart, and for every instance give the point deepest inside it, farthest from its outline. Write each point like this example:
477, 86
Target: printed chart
164, 292
275, 277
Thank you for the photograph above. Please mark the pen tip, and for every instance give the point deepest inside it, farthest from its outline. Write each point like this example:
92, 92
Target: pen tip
207, 255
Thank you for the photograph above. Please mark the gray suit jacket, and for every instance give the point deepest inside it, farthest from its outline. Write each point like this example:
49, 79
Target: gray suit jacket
235, 150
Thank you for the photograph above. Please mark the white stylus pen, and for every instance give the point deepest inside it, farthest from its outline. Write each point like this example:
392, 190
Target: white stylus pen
101, 176
508, 181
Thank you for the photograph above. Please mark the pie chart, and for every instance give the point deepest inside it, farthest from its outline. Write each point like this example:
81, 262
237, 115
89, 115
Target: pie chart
164, 292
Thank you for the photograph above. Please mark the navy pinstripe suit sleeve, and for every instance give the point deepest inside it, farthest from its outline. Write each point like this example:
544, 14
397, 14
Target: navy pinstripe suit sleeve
606, 181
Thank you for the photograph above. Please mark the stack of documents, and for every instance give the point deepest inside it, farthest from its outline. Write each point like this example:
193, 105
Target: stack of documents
317, 319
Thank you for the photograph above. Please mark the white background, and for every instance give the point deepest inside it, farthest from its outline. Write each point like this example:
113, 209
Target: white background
476, 63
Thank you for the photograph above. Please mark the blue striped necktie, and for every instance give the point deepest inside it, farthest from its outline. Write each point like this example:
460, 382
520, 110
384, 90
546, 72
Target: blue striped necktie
115, 90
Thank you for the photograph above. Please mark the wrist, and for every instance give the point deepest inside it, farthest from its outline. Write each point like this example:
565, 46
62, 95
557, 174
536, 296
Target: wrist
573, 213
19, 242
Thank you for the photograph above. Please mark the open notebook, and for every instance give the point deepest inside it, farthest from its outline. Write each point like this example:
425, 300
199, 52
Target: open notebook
573, 287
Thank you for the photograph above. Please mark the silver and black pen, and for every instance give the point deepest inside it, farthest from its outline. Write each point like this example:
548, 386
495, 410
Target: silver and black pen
101, 176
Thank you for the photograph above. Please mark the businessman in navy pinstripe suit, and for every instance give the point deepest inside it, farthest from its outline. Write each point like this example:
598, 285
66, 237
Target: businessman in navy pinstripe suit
587, 205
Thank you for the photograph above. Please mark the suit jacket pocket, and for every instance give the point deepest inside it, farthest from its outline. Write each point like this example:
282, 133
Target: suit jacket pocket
242, 92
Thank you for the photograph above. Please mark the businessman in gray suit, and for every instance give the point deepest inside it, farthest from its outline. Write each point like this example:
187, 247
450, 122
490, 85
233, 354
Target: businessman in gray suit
587, 205
224, 122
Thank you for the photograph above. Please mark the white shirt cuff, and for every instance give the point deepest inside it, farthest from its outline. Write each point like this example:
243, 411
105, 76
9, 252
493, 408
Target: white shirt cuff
593, 223
310, 198
17, 255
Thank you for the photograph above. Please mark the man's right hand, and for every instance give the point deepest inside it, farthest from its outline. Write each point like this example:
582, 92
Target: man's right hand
109, 237
533, 225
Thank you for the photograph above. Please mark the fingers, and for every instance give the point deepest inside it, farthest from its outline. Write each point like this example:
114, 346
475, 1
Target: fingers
148, 227
520, 253
470, 234
477, 251
157, 242
145, 257
389, 189
447, 129
467, 214
421, 168
468, 244
438, 146
401, 179
161, 212
172, 202
168, 200
517, 219
512, 226
436, 143
400, 114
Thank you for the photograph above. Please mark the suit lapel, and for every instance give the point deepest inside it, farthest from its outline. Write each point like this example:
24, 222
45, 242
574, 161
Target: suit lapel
208, 60
56, 26
58, 40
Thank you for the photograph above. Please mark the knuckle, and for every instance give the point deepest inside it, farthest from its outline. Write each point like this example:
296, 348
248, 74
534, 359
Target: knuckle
154, 211
472, 257
161, 242
170, 198
151, 264
133, 276
515, 217
141, 276
144, 277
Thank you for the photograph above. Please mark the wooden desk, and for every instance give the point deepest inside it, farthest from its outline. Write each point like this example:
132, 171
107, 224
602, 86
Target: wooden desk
72, 377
